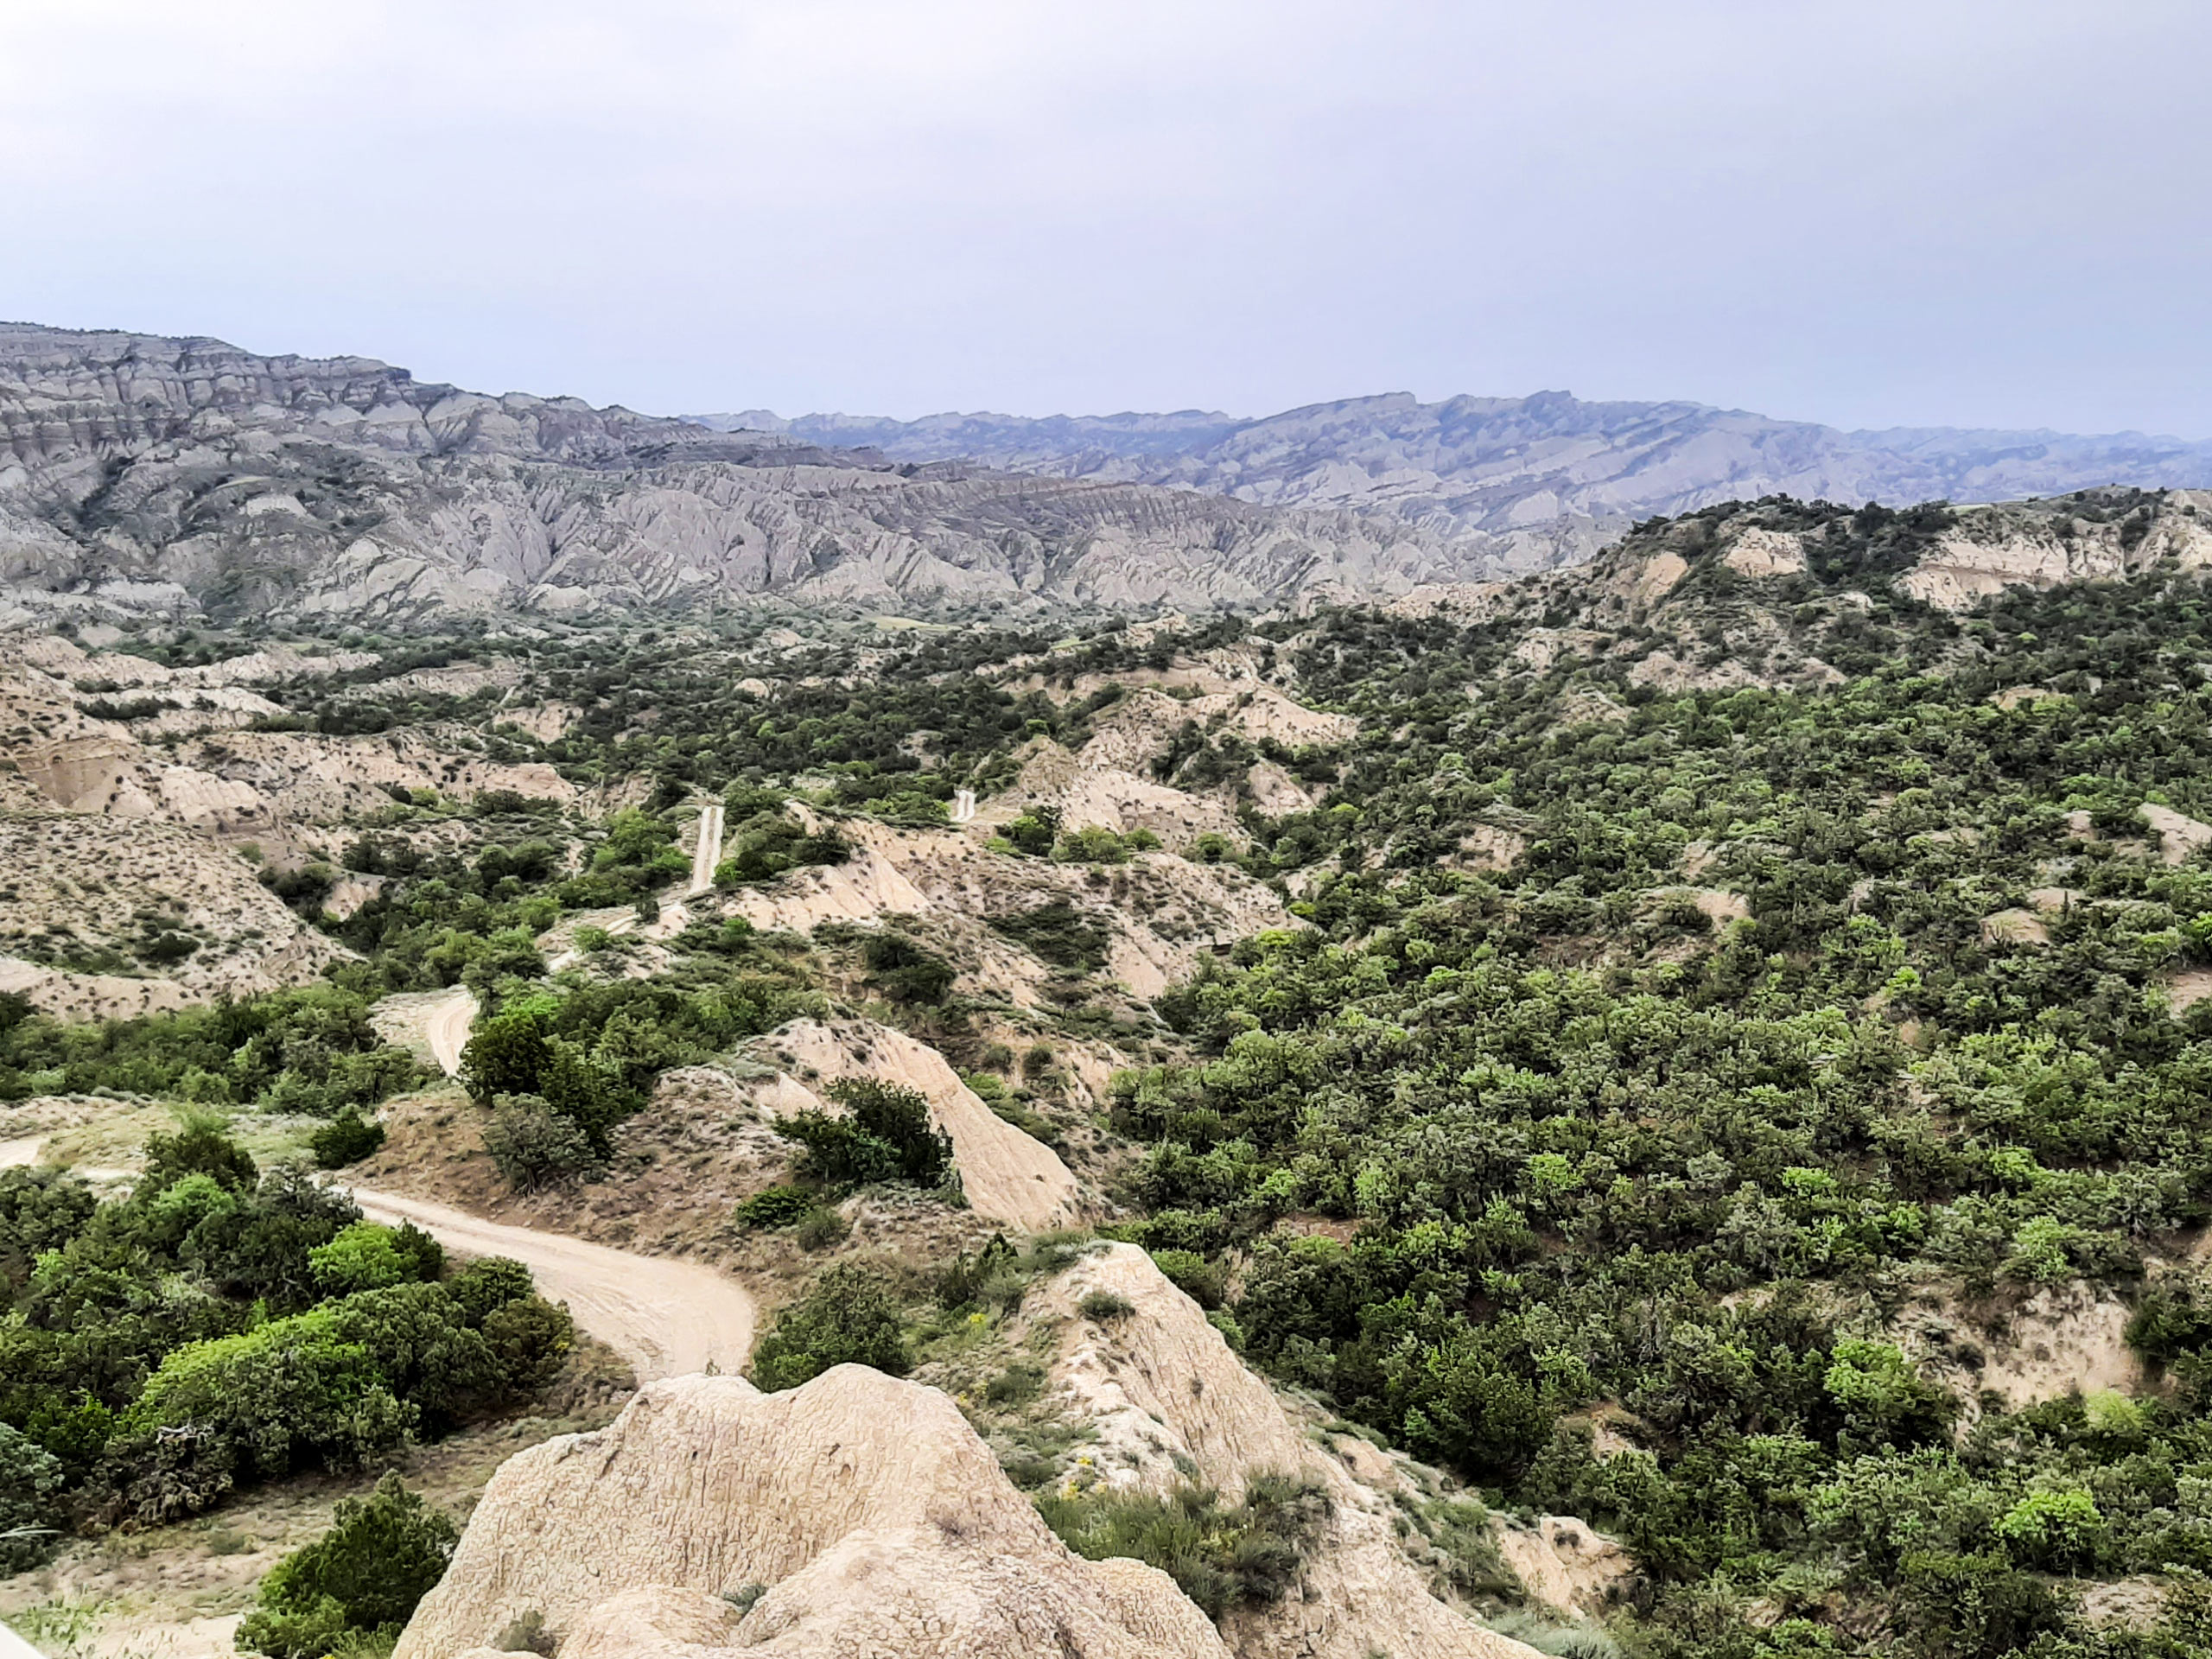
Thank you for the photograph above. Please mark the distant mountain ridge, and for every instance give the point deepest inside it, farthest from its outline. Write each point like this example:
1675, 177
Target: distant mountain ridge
179, 476
1538, 479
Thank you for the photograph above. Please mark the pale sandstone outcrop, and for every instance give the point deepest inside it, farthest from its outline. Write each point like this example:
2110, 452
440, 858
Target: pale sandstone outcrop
1167, 1396
2063, 1339
1757, 551
79, 885
1111, 797
1994, 549
1162, 913
2179, 836
1564, 1565
862, 1516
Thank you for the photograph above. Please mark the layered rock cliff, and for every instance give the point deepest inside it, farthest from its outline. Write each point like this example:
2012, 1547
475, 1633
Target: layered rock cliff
140, 473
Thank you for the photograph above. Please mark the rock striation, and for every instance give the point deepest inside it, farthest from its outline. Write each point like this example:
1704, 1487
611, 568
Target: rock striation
141, 474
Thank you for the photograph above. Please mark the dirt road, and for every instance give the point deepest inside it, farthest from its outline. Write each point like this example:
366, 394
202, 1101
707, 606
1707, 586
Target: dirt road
709, 851
665, 1317
448, 1030
964, 805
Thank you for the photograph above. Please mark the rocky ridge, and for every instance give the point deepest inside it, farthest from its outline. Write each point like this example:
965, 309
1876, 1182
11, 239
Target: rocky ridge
1540, 481
140, 474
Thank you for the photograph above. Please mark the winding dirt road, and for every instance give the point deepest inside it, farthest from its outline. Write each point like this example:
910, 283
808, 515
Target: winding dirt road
665, 1317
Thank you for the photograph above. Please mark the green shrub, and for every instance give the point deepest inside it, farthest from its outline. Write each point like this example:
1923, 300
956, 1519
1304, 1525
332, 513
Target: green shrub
1884, 1398
367, 1256
848, 1316
971, 1277
1016, 1385
1200, 1280
1103, 1306
2053, 1531
335, 1387
31, 1482
1059, 934
1222, 1558
1035, 830
1092, 844
526, 1633
820, 1228
200, 1147
382, 1556
291, 1394
903, 972
346, 1140
535, 1147
487, 1284
887, 1137
505, 1055
2172, 1323
777, 1207
41, 1209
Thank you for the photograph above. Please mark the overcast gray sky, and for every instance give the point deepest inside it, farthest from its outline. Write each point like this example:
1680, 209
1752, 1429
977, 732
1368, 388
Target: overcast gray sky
1863, 212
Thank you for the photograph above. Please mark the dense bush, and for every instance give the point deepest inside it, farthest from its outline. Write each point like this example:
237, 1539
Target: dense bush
382, 1556
534, 1147
886, 1136
31, 1479
1058, 934
848, 1316
1223, 1557
777, 1207
903, 971
221, 1324
311, 1050
346, 1140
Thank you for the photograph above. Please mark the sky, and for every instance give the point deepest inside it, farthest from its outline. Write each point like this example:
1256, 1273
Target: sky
1978, 212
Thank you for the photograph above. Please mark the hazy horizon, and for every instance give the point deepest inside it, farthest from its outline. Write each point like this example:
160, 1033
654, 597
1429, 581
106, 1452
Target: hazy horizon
1940, 213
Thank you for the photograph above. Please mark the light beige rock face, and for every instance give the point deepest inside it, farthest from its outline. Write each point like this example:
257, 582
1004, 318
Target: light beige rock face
2018, 545
2179, 836
1160, 912
1094, 796
1166, 1396
2063, 1339
179, 754
863, 1513
1563, 1564
1761, 552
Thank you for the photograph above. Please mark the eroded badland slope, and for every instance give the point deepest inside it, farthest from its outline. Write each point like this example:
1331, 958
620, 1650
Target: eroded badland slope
1598, 1109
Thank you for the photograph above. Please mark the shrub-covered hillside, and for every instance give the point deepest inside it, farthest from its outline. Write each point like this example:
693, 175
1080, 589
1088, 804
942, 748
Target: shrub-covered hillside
1727, 1069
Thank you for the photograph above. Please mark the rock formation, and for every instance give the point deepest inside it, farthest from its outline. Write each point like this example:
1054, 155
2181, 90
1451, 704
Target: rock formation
1535, 481
141, 474
856, 1517
1168, 1398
